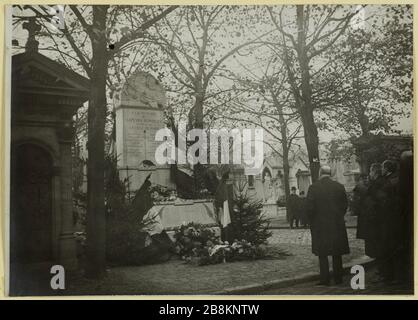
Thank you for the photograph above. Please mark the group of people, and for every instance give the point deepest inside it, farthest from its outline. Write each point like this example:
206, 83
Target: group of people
383, 201
296, 209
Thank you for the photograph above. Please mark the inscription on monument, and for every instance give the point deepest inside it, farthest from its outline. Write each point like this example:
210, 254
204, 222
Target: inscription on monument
139, 114
140, 127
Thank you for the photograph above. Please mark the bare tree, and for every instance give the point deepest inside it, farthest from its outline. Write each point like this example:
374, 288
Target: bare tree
197, 42
315, 29
374, 67
268, 103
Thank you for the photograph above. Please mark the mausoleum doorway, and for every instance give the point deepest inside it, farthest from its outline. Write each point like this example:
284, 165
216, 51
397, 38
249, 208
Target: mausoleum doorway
31, 204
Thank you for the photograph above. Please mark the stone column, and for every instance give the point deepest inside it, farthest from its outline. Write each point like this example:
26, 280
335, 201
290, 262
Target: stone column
56, 210
67, 245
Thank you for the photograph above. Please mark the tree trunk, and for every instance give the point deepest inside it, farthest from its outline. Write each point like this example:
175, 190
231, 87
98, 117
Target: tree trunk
285, 147
96, 219
309, 125
364, 124
286, 171
198, 111
312, 143
198, 169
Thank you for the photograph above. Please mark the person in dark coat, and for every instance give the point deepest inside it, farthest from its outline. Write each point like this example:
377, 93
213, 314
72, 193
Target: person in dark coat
406, 192
368, 225
302, 209
359, 195
327, 205
390, 222
293, 208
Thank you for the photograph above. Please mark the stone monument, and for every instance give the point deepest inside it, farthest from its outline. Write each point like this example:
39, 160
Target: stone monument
139, 115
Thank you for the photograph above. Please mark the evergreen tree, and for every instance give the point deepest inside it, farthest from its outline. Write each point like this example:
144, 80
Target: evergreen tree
247, 221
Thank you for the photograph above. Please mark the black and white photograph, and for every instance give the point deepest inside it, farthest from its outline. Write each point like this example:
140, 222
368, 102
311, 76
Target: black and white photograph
221, 150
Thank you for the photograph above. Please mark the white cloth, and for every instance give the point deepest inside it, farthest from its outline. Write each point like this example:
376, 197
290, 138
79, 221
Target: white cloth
226, 217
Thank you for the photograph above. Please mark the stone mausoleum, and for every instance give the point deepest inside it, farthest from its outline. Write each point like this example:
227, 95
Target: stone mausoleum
45, 96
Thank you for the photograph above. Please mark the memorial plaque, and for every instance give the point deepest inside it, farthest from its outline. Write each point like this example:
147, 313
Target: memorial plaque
139, 115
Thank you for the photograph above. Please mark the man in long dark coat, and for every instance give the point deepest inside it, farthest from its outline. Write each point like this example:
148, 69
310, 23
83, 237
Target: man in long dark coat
293, 208
327, 205
390, 233
359, 195
302, 210
368, 227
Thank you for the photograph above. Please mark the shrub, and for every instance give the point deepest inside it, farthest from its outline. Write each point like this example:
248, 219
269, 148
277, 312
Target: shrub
127, 243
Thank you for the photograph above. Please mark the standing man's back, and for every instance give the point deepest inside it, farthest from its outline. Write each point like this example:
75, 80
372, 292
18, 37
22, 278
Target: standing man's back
327, 205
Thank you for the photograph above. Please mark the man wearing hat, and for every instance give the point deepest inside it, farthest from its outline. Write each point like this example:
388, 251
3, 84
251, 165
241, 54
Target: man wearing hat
326, 207
293, 208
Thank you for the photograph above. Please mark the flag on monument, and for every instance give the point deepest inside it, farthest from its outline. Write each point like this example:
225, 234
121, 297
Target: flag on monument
221, 202
226, 217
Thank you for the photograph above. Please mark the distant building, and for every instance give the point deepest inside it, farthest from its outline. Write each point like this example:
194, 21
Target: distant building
269, 187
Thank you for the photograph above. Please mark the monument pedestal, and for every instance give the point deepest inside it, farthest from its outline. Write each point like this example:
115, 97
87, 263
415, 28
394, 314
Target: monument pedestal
139, 115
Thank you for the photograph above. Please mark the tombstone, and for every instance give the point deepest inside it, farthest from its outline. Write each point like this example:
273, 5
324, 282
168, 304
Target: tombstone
303, 180
139, 115
268, 192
